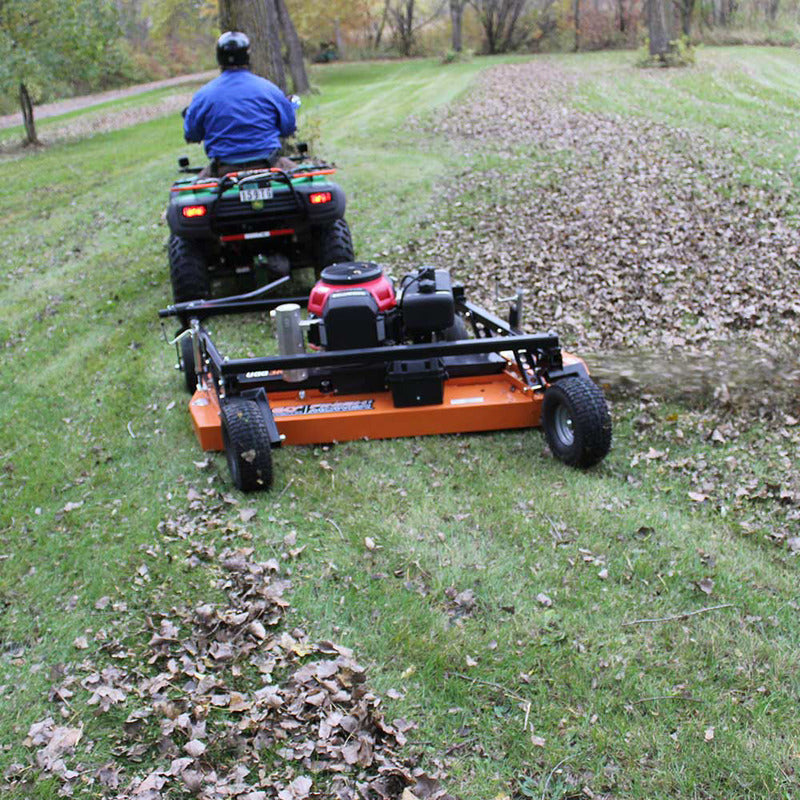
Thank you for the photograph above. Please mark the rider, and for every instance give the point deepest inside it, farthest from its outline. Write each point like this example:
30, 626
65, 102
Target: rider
239, 116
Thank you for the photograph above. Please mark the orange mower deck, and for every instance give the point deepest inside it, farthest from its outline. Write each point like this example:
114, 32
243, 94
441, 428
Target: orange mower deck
493, 402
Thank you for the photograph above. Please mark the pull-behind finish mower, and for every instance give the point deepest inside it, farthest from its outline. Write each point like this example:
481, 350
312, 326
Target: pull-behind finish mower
388, 362
254, 226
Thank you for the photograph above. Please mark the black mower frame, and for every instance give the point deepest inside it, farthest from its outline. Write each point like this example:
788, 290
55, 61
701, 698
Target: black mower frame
538, 356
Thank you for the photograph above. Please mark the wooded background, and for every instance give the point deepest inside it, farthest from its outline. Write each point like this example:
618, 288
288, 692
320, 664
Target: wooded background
51, 49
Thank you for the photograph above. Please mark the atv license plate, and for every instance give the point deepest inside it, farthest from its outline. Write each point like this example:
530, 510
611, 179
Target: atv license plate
250, 195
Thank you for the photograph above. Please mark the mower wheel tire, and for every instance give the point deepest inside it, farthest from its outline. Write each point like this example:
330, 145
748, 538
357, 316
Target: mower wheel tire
576, 422
335, 244
188, 270
457, 331
247, 445
187, 364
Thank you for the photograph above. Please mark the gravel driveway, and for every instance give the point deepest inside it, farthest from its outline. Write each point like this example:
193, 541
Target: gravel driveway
86, 101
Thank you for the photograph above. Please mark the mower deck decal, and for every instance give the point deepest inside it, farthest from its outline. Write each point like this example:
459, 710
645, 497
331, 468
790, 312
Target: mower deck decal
460, 401
504, 404
339, 407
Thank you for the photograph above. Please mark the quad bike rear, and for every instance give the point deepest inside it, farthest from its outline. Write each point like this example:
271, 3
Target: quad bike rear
253, 226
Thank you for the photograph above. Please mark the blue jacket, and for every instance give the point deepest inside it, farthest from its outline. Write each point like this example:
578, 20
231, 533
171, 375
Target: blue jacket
239, 117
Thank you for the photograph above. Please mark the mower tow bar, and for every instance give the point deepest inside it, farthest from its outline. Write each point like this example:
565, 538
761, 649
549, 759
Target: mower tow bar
179, 309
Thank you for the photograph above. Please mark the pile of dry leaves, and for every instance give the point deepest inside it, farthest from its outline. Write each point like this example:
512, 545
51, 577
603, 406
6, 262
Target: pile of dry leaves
225, 702
632, 238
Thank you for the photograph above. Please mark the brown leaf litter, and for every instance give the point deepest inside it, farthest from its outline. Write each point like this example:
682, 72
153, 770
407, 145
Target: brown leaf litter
637, 241
226, 702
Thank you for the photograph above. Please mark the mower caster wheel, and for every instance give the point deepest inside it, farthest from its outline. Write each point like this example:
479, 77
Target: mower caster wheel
247, 445
576, 422
187, 364
188, 270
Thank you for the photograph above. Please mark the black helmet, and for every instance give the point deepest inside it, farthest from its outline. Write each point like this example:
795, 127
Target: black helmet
233, 49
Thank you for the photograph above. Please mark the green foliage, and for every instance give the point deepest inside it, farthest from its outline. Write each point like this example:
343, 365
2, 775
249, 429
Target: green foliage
457, 57
55, 47
681, 54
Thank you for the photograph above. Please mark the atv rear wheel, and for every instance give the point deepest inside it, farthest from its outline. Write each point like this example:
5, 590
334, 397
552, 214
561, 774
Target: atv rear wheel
335, 244
576, 422
188, 365
247, 445
188, 270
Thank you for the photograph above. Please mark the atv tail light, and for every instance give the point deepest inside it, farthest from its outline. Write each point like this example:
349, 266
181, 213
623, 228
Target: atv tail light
194, 211
317, 198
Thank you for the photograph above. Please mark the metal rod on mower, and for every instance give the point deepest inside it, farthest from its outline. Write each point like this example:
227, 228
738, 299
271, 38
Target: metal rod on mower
235, 304
544, 342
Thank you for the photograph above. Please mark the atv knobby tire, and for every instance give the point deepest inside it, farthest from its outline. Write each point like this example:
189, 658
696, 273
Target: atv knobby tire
247, 445
188, 270
335, 244
576, 422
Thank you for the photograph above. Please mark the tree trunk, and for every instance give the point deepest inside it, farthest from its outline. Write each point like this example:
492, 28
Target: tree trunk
277, 73
686, 9
382, 25
658, 26
27, 116
621, 9
297, 66
577, 10
337, 37
456, 15
259, 20
510, 40
403, 16
772, 9
408, 28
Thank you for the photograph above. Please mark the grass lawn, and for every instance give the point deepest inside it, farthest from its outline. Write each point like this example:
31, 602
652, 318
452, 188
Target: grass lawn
539, 687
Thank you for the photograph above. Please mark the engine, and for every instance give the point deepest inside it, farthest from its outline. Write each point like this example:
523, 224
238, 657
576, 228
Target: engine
357, 306
352, 301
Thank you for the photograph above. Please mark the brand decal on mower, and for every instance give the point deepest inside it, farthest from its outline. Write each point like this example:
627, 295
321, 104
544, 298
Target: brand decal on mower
324, 408
460, 401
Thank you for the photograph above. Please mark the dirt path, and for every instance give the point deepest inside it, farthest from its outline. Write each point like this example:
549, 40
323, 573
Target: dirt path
75, 103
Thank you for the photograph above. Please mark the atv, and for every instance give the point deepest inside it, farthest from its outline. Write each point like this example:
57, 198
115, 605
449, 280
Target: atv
388, 360
255, 225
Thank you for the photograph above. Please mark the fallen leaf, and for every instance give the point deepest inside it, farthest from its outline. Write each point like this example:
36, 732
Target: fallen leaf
706, 585
195, 748
246, 514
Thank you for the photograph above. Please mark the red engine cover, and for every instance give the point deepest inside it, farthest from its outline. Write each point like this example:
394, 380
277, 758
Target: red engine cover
352, 275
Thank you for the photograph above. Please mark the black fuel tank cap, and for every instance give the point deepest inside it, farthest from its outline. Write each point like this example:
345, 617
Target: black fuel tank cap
350, 272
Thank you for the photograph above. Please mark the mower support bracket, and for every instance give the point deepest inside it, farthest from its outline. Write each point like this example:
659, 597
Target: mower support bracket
259, 396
